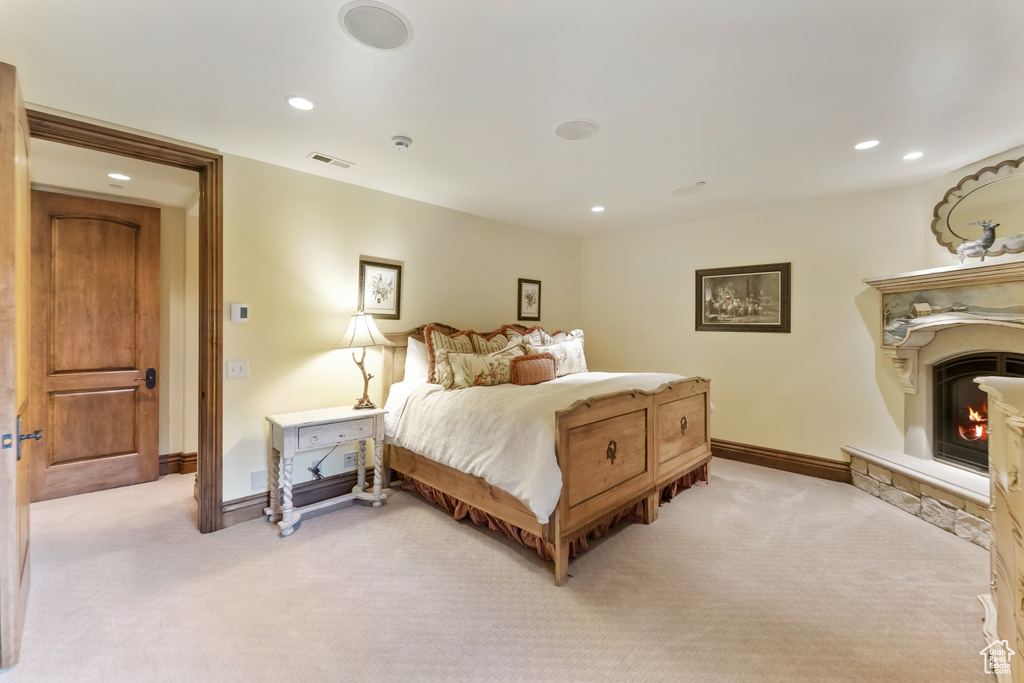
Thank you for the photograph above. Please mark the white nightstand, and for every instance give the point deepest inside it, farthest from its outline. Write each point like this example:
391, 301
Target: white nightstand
294, 432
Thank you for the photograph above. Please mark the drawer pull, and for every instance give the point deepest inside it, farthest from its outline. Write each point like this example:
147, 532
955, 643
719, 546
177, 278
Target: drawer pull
610, 453
683, 425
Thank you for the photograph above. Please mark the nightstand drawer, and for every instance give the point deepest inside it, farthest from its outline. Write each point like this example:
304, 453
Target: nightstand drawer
335, 433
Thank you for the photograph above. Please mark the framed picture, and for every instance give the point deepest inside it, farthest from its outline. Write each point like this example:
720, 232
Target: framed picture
743, 299
380, 289
529, 299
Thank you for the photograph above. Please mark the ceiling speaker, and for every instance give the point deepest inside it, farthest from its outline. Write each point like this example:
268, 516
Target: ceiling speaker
375, 25
576, 130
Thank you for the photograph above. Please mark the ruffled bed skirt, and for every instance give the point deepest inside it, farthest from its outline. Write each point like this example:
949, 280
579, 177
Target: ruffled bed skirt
634, 513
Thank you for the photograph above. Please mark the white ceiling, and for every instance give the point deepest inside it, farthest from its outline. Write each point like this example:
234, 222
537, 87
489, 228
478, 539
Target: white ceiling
762, 100
62, 167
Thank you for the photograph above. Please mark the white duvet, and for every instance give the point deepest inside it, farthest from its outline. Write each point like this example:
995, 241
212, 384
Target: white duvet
503, 434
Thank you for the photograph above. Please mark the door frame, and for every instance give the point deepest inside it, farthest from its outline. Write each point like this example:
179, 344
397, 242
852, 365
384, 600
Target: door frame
210, 166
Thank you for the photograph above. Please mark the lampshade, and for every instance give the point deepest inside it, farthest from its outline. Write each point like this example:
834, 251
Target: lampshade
361, 332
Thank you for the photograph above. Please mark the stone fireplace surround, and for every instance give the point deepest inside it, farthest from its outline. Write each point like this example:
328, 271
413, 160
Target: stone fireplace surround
952, 498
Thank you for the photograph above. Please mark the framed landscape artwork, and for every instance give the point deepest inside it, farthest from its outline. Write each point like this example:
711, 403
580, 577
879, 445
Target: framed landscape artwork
529, 299
380, 289
743, 299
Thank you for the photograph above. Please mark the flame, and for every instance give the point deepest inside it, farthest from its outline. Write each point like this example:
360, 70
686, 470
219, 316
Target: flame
976, 427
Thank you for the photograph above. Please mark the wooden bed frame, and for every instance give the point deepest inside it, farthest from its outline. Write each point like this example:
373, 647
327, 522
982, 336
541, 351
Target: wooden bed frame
614, 450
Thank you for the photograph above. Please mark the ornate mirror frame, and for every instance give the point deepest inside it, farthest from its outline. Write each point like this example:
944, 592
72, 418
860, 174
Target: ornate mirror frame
953, 216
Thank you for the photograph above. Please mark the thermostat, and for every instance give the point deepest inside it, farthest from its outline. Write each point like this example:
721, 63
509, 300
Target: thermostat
239, 313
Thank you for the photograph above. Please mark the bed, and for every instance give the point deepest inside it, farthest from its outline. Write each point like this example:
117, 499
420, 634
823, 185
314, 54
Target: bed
620, 453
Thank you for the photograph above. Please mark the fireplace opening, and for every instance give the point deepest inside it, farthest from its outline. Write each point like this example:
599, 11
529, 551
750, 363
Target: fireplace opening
961, 409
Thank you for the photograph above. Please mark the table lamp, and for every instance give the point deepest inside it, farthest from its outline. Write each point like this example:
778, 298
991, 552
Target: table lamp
362, 332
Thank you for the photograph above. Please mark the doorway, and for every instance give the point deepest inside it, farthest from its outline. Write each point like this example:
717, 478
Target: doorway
209, 166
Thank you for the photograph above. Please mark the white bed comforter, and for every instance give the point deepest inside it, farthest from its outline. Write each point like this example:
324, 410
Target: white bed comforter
503, 434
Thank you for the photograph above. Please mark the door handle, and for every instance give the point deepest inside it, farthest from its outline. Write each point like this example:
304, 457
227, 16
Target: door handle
149, 379
35, 436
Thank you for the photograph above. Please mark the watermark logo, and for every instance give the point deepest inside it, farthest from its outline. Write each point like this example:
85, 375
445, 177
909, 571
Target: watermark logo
997, 658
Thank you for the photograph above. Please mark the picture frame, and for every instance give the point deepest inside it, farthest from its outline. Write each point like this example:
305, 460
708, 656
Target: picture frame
380, 289
529, 300
743, 299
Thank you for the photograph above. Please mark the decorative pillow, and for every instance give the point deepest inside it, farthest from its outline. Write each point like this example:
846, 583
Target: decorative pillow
566, 347
415, 361
495, 341
534, 369
462, 370
436, 340
538, 337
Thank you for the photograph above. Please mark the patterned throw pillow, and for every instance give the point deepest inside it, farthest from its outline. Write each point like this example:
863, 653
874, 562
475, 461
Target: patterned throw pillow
462, 370
534, 369
437, 340
566, 347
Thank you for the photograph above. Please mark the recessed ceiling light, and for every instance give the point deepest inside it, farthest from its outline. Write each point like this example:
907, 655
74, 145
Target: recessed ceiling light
576, 130
118, 176
375, 25
867, 144
910, 156
301, 103
597, 209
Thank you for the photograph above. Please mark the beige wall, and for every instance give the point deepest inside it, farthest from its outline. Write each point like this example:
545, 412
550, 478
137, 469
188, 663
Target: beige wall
824, 385
292, 243
811, 391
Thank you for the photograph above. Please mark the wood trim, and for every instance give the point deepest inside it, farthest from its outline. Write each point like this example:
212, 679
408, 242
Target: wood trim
308, 492
178, 463
809, 465
209, 166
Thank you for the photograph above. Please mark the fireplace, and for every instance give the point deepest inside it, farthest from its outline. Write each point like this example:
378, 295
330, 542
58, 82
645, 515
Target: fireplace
960, 406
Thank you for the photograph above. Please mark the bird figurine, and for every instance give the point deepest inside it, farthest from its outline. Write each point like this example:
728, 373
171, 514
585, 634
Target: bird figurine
980, 246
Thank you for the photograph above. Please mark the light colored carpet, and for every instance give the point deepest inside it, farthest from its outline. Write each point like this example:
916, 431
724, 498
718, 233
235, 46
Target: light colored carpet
759, 576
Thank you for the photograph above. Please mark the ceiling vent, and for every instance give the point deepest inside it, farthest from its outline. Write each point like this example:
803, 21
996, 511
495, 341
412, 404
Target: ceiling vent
333, 161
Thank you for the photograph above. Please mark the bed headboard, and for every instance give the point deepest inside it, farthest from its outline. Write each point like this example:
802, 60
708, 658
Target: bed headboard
393, 360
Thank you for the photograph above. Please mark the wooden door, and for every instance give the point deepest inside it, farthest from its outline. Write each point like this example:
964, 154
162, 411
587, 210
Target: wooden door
14, 364
95, 327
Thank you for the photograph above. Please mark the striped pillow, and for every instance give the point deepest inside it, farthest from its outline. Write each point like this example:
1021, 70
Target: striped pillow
436, 340
495, 341
540, 367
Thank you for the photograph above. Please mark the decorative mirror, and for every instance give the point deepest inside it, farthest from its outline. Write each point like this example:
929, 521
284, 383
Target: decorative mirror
993, 195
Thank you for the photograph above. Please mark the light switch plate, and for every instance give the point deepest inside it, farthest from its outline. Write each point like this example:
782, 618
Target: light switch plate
238, 369
259, 480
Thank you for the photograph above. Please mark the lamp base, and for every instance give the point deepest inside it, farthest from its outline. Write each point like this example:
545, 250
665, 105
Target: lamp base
364, 403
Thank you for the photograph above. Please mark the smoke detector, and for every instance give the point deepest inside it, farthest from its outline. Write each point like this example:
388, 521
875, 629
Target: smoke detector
327, 159
401, 142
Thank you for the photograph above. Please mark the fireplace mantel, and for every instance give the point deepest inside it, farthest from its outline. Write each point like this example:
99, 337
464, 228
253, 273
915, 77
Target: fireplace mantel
950, 276
903, 352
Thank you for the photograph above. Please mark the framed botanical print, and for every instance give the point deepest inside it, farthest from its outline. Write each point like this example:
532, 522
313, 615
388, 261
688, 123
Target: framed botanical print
380, 289
529, 299
743, 299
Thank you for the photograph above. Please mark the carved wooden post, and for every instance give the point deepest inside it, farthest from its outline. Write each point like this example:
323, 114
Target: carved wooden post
286, 490
275, 490
378, 457
360, 469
